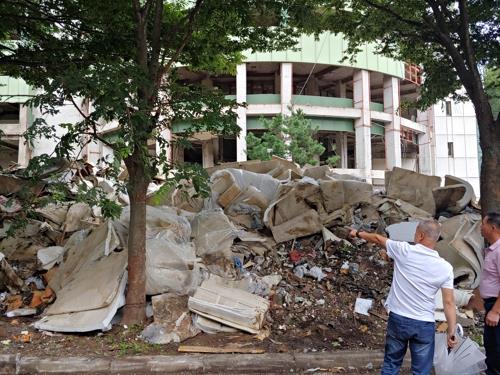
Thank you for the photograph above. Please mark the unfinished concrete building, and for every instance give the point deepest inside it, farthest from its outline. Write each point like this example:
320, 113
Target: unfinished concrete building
364, 111
356, 106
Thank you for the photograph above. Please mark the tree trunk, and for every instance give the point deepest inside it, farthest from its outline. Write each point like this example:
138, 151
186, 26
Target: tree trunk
135, 307
489, 138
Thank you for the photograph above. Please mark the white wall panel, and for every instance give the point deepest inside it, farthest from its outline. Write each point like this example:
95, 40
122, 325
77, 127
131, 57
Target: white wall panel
441, 146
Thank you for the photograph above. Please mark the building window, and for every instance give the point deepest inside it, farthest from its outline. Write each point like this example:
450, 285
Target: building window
450, 150
448, 108
9, 113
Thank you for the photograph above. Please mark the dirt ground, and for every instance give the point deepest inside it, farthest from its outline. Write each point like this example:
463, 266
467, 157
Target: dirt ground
306, 315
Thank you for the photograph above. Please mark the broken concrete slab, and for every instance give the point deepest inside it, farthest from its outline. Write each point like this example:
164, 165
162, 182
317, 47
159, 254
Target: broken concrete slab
10, 184
230, 306
90, 283
9, 205
48, 257
76, 216
278, 168
303, 225
56, 213
412, 187
318, 173
404, 231
210, 326
86, 320
338, 193
295, 213
469, 196
465, 259
172, 320
447, 198
9, 278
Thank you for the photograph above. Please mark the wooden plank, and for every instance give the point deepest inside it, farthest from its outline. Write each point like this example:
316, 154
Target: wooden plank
211, 349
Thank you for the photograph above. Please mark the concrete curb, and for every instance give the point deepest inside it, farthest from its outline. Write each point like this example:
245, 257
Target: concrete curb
206, 363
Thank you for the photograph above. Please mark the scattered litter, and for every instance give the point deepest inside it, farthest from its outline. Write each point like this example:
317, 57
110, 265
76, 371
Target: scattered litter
362, 306
266, 251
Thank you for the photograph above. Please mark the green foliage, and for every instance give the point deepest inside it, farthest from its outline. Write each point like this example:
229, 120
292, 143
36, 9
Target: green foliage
286, 135
429, 33
492, 85
333, 161
123, 57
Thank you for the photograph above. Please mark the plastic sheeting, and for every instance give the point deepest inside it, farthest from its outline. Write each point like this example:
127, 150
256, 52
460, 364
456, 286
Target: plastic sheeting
213, 233
171, 263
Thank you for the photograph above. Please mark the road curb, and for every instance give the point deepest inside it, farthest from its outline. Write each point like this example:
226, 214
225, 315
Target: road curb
206, 363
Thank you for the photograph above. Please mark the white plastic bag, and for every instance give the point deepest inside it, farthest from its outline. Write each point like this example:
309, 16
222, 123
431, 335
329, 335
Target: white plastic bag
464, 359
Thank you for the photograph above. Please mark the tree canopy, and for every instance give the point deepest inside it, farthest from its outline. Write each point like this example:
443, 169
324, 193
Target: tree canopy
450, 40
123, 57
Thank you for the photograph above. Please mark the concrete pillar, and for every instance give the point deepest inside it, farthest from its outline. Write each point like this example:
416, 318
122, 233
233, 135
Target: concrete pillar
426, 142
424, 154
207, 150
241, 97
341, 148
362, 126
392, 129
286, 88
23, 153
340, 89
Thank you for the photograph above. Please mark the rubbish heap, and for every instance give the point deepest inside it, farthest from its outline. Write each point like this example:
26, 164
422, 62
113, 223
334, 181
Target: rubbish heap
267, 251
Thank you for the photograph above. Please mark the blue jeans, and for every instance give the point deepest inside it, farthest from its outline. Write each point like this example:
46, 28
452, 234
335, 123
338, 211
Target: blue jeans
492, 342
402, 331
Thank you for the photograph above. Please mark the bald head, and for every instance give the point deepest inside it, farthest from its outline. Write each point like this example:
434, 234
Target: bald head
428, 232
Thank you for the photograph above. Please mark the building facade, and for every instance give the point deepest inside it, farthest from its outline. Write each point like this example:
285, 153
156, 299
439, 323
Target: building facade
364, 111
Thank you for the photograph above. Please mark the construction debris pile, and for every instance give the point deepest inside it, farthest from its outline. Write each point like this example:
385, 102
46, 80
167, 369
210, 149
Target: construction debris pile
266, 253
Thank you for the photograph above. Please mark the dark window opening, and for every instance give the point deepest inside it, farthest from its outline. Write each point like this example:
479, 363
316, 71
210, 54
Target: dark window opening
193, 154
227, 149
450, 149
448, 108
9, 113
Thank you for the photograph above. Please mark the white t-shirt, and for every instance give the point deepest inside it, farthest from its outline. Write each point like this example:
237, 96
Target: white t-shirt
419, 273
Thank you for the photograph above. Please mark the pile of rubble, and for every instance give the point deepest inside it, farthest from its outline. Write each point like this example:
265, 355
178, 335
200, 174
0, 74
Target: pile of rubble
265, 253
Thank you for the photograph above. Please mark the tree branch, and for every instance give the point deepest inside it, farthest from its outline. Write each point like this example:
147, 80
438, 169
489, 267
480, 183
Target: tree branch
93, 123
394, 14
465, 38
443, 37
156, 44
187, 36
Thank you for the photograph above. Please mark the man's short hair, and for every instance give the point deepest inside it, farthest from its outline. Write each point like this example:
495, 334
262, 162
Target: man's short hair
493, 218
431, 228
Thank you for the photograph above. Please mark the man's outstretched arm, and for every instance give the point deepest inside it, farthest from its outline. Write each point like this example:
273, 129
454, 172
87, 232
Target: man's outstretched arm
370, 237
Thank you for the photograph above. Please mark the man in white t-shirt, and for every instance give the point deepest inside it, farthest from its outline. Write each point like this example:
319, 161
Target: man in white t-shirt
419, 273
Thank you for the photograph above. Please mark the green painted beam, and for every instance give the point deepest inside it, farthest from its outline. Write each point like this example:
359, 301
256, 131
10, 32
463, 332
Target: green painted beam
322, 101
377, 129
329, 49
379, 107
263, 99
323, 124
14, 90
